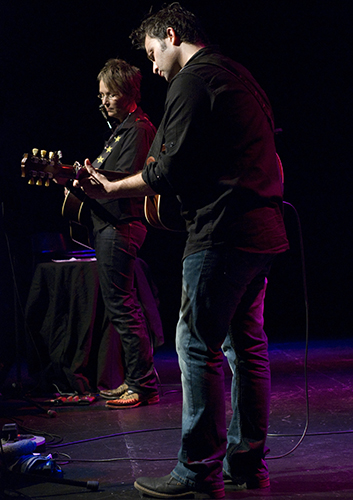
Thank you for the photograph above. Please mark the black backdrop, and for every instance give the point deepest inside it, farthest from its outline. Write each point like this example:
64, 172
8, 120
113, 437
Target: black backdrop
299, 51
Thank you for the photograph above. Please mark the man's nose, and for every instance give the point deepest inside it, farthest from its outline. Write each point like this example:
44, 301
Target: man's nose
155, 68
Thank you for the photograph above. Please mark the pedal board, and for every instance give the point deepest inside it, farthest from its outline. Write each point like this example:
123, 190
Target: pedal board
13, 442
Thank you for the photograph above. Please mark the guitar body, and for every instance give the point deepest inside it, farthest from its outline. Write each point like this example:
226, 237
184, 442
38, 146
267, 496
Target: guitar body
163, 212
78, 214
76, 210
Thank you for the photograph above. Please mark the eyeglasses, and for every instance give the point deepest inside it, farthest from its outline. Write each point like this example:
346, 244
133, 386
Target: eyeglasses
109, 97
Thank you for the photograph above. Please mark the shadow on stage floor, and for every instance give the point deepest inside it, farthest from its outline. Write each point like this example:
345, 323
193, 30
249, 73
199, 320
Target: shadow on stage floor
113, 447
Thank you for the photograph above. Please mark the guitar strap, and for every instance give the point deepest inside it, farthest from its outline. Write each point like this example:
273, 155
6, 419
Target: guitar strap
111, 143
108, 148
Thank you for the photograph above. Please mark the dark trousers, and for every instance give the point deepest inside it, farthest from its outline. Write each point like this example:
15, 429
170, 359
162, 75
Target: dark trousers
116, 251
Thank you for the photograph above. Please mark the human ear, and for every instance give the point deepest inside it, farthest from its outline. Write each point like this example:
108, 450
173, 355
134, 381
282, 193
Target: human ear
172, 36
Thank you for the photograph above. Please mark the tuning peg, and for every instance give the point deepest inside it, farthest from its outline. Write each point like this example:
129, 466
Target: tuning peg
48, 177
43, 153
41, 175
23, 165
35, 158
52, 157
33, 174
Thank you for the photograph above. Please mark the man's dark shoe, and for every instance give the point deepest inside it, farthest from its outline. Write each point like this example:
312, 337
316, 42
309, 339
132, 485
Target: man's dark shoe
250, 482
246, 470
168, 487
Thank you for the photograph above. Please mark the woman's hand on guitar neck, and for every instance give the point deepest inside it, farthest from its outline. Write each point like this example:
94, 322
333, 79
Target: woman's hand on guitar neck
94, 184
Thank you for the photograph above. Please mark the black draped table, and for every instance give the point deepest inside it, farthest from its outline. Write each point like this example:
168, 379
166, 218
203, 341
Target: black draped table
72, 345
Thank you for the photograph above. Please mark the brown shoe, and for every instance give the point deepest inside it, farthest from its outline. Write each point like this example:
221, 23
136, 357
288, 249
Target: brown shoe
131, 399
114, 393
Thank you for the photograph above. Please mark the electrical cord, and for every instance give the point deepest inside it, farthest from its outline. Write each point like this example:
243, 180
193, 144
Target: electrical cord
50, 438
67, 458
306, 304
116, 459
301, 436
18, 302
117, 434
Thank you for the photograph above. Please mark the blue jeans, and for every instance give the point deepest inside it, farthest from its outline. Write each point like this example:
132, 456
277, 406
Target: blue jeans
222, 303
116, 251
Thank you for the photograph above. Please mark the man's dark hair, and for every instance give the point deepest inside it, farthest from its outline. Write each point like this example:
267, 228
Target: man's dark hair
185, 24
119, 76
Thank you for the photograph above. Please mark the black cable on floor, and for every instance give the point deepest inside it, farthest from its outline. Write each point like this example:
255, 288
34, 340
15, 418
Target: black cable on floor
306, 304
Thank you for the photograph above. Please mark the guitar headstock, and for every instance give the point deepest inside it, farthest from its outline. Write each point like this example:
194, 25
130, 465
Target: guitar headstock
41, 168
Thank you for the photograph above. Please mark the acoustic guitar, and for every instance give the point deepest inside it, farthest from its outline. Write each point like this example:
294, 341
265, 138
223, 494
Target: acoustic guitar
161, 212
77, 205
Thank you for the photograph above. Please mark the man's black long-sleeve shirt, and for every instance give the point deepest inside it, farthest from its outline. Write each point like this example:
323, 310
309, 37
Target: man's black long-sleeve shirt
219, 157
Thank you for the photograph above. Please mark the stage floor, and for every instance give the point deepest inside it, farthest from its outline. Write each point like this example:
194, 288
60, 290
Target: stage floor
113, 447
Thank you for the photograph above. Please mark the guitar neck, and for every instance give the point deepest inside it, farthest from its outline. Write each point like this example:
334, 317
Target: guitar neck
72, 172
41, 169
